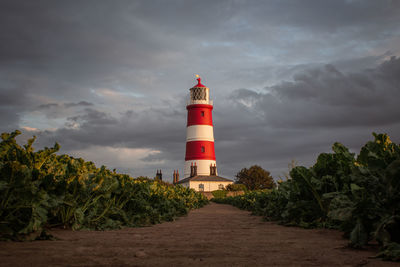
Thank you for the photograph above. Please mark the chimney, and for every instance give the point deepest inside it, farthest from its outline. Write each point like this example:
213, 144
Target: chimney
159, 175
191, 170
195, 169
176, 176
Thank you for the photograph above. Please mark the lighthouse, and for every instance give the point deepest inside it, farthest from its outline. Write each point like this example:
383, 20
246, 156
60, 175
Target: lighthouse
200, 153
200, 162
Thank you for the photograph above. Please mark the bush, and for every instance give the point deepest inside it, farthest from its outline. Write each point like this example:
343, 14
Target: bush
236, 187
219, 193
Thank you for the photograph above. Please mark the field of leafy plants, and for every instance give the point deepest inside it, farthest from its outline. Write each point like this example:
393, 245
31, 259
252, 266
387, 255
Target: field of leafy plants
39, 190
359, 195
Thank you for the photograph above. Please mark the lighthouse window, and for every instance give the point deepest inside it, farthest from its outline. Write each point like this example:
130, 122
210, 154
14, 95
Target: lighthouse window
202, 113
203, 149
199, 94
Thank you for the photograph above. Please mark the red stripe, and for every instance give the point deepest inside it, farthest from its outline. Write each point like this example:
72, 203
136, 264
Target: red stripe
194, 150
199, 114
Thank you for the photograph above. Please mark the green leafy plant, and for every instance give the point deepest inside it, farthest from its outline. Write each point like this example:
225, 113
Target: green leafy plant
358, 195
219, 193
41, 189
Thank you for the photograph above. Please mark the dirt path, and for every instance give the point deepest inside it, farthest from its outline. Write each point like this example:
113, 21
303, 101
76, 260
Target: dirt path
216, 235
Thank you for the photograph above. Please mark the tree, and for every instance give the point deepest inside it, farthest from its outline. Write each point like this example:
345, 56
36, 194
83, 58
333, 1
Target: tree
255, 178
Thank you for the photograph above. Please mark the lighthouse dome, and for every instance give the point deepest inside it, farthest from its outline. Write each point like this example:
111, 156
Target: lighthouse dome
199, 84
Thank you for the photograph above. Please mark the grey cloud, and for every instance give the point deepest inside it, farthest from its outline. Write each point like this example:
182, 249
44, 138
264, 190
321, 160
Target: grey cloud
154, 128
73, 41
14, 99
93, 118
325, 97
80, 103
300, 119
49, 105
66, 105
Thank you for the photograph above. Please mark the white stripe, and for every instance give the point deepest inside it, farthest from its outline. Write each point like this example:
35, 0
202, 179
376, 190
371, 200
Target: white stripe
200, 133
203, 167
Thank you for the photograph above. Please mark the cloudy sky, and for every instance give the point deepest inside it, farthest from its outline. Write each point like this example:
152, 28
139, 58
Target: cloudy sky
108, 80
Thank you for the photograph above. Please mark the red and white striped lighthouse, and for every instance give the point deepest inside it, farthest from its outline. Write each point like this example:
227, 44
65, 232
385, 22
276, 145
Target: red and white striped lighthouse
200, 154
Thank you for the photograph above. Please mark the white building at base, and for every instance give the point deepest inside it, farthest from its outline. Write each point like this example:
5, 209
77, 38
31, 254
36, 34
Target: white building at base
205, 183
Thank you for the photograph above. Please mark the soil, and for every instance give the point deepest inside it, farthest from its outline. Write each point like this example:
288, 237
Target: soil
216, 235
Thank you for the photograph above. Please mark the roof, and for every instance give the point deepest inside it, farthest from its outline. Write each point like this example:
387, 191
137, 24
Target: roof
199, 83
205, 178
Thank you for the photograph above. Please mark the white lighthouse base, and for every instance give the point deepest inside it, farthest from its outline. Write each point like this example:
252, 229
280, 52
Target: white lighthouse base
203, 167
